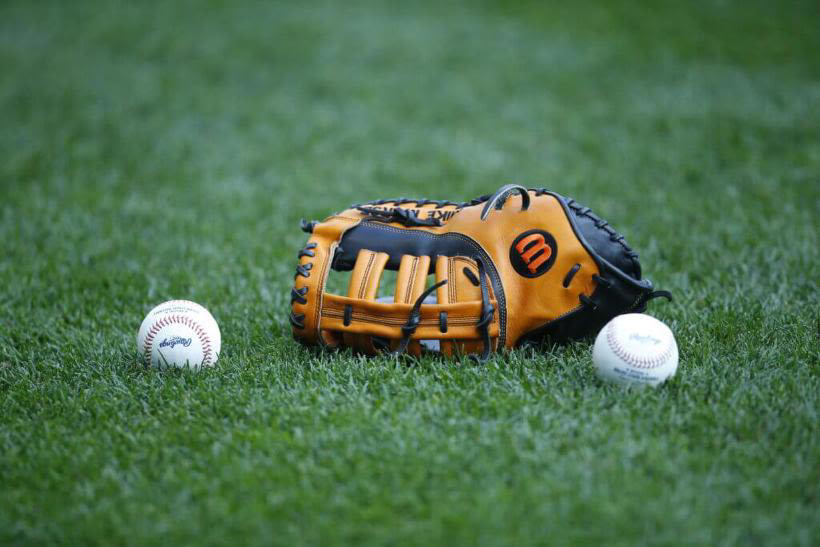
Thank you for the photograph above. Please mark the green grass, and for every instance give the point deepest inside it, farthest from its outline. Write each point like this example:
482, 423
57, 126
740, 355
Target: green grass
168, 150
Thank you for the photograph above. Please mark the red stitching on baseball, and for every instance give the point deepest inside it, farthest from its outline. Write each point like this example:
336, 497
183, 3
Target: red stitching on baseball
632, 359
204, 339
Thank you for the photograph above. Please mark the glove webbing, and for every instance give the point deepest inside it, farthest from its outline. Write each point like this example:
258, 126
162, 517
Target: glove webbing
462, 318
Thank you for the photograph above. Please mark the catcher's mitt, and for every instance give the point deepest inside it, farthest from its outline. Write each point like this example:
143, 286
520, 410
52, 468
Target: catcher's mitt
543, 266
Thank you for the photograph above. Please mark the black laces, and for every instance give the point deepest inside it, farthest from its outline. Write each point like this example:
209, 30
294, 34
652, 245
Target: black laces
407, 217
658, 294
602, 281
483, 324
487, 312
500, 197
412, 324
298, 295
304, 270
308, 250
308, 226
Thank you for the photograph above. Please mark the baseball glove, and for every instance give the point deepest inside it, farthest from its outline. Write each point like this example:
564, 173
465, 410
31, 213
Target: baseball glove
510, 268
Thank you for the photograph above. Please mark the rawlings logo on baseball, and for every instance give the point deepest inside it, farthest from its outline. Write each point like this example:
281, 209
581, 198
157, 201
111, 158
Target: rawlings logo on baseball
166, 336
175, 340
645, 339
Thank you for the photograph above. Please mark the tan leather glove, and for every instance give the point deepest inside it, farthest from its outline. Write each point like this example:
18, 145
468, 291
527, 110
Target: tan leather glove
513, 267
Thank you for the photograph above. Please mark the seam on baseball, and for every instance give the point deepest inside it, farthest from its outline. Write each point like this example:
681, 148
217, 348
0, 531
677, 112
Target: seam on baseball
632, 359
159, 324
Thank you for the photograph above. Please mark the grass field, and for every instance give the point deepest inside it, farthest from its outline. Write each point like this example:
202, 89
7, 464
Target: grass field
163, 150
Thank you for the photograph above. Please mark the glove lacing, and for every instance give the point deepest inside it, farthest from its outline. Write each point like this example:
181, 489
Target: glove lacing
483, 324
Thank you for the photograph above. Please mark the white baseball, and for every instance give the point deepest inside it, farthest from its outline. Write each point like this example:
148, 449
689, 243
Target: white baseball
179, 333
635, 349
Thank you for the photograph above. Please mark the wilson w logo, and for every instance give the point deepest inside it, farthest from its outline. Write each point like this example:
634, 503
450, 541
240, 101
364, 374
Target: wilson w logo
533, 253
531, 246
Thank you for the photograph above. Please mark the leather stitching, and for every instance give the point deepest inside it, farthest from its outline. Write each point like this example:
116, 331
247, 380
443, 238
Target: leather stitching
412, 280
320, 293
451, 276
366, 275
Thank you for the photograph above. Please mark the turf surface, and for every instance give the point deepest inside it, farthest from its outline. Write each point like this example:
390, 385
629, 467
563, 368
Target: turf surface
168, 150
